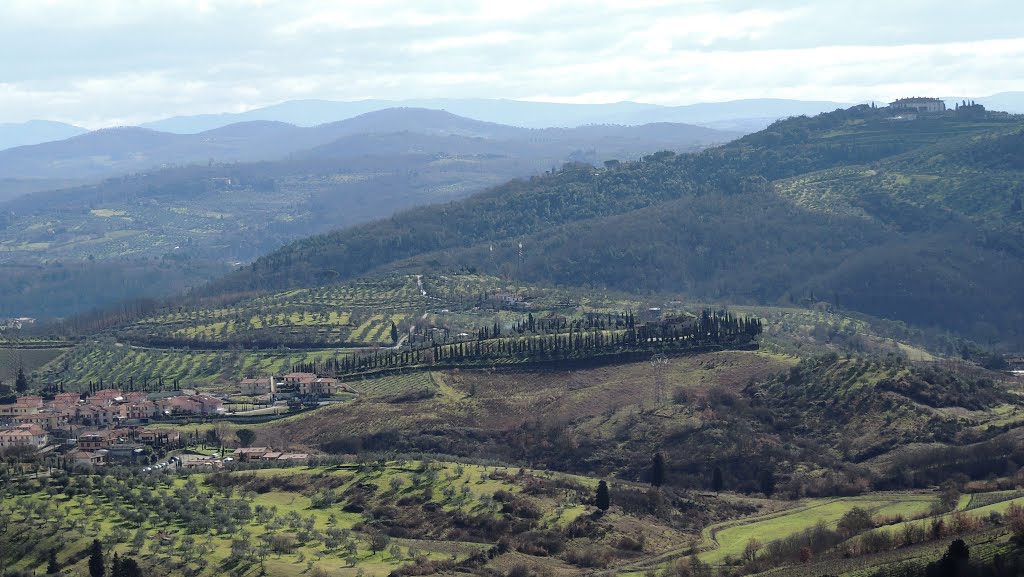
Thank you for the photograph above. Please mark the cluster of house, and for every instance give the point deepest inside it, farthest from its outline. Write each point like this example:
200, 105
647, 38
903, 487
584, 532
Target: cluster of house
125, 445
28, 420
106, 407
305, 384
192, 460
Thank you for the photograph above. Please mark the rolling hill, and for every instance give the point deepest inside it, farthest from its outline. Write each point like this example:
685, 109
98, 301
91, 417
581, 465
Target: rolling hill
130, 149
34, 132
744, 115
915, 221
209, 215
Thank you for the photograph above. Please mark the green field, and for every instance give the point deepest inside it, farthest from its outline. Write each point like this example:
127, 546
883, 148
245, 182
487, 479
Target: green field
730, 539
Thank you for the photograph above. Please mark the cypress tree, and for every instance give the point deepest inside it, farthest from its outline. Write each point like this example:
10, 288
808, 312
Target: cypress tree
52, 567
767, 482
97, 567
21, 382
657, 470
129, 568
716, 480
602, 500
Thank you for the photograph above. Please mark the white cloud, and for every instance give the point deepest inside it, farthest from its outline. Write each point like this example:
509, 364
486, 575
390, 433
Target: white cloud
113, 61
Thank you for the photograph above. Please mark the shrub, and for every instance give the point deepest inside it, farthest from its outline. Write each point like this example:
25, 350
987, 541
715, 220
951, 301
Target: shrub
593, 556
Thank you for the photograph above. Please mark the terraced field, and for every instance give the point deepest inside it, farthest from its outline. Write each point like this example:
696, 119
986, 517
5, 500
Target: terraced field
396, 384
115, 363
355, 313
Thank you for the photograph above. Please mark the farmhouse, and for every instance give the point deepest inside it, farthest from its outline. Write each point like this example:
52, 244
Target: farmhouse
88, 458
28, 405
250, 453
48, 420
918, 104
104, 397
267, 454
126, 452
97, 440
196, 404
296, 379
23, 436
63, 401
257, 386
158, 437
322, 387
195, 461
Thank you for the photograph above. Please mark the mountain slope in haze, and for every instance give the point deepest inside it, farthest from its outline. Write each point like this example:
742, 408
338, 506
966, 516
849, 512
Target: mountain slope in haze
217, 214
1012, 102
735, 223
740, 114
35, 132
131, 149
238, 211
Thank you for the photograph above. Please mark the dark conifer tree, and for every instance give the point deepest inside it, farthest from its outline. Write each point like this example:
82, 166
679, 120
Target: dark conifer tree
97, 566
767, 482
657, 470
602, 500
716, 480
52, 567
21, 382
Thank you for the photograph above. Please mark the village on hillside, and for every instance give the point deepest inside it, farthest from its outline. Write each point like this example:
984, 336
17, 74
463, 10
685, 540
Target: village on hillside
110, 425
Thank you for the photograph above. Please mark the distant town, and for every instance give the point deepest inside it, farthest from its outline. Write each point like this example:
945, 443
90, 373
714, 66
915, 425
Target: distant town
111, 425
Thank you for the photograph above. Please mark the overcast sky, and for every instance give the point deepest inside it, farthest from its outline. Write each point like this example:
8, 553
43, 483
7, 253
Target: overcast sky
104, 62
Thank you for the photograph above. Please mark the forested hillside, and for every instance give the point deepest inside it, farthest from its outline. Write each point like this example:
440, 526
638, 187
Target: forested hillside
216, 214
913, 220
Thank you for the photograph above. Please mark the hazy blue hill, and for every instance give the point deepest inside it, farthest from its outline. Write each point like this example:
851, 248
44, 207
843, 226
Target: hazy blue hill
421, 120
131, 149
298, 112
740, 115
221, 213
1012, 102
91, 154
35, 132
253, 128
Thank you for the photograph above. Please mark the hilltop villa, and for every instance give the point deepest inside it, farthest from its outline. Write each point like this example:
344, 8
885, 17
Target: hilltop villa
918, 104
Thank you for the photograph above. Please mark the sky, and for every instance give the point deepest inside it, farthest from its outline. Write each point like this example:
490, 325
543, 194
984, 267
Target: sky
101, 63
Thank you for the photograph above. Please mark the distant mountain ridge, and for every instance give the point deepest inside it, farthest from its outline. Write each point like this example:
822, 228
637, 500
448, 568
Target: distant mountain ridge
742, 115
35, 132
301, 180
113, 151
